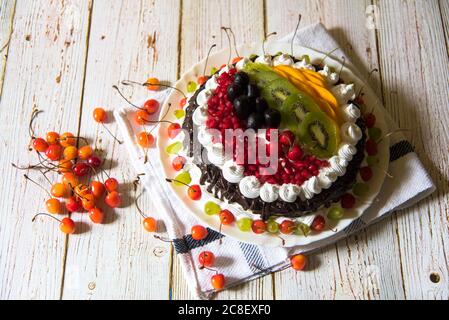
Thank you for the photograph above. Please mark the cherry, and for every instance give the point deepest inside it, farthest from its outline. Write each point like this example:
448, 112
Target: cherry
295, 153
178, 163
65, 166
371, 147
370, 120
81, 169
40, 145
111, 184
194, 192
145, 139
70, 179
141, 117
347, 201
218, 281
73, 205
201, 80
97, 188
259, 226
199, 232
88, 201
286, 138
366, 173
54, 152
318, 224
100, 115
173, 130
67, 139
287, 227
298, 262
70, 153
81, 190
94, 162
152, 84
53, 206
85, 152
113, 199
66, 225
59, 190
206, 259
151, 106
96, 215
150, 224
182, 102
52, 137
226, 217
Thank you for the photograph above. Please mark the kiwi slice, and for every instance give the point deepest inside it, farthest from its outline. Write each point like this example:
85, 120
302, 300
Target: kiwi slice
277, 92
260, 74
300, 105
320, 134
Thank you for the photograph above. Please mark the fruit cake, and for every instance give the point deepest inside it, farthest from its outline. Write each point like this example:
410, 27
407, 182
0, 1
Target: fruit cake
303, 111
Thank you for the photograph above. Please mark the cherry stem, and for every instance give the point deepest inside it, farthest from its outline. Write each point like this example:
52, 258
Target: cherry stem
282, 239
163, 118
265, 40
296, 31
173, 180
39, 185
391, 133
45, 176
126, 99
137, 205
146, 84
233, 40
342, 66
328, 55
34, 114
207, 58
367, 79
229, 42
210, 269
111, 134
45, 214
162, 239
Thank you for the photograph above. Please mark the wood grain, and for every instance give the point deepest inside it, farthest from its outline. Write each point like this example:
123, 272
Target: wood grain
415, 73
363, 266
200, 24
31, 256
7, 11
120, 260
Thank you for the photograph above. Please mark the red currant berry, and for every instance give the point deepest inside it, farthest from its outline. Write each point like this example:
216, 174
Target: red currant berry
371, 147
318, 224
347, 201
366, 173
287, 227
226, 217
259, 226
370, 120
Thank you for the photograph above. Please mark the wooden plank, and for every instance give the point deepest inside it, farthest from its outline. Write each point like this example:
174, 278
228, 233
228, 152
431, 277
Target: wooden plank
415, 72
7, 9
444, 11
120, 260
200, 23
48, 42
365, 266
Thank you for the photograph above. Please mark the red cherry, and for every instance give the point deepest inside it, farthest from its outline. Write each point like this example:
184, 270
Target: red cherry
94, 161
370, 120
318, 224
206, 259
96, 215
73, 205
151, 106
371, 147
111, 184
54, 152
194, 192
81, 169
199, 232
259, 226
178, 163
113, 199
347, 201
287, 227
298, 262
40, 145
226, 217
366, 173
173, 130
295, 153
218, 281
287, 138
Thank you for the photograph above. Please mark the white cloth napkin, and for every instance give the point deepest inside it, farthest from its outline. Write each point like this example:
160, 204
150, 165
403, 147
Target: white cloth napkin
241, 262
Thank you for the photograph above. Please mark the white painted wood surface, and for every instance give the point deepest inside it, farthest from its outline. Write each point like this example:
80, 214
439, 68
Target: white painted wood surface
64, 58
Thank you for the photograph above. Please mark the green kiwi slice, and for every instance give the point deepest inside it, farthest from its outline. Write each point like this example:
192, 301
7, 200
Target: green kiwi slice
277, 92
260, 74
299, 105
320, 134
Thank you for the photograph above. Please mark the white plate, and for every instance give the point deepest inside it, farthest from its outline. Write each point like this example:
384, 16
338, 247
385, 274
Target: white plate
196, 207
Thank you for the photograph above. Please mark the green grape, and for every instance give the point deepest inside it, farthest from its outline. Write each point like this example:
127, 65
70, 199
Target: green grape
174, 148
302, 229
213, 70
336, 213
245, 224
372, 161
272, 226
191, 86
211, 208
306, 57
183, 178
179, 113
375, 133
360, 189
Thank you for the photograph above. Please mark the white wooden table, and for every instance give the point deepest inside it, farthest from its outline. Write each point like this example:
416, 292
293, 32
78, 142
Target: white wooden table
63, 57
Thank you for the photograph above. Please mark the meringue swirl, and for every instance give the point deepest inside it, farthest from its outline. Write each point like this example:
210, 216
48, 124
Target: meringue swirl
351, 133
311, 187
212, 83
269, 192
304, 65
347, 151
203, 96
233, 172
289, 192
351, 112
326, 178
242, 63
331, 77
344, 92
250, 187
204, 137
283, 59
199, 116
337, 165
266, 59
216, 154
